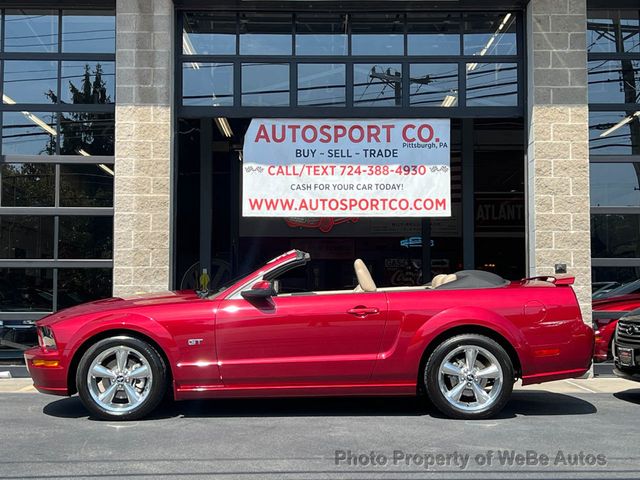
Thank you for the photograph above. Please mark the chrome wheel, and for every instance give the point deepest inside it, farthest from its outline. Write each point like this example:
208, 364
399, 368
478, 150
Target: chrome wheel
119, 379
470, 378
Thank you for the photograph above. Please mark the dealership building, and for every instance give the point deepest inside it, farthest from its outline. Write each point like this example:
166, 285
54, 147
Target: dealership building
123, 135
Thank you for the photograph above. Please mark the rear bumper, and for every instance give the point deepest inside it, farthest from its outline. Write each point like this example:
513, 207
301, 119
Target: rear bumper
47, 379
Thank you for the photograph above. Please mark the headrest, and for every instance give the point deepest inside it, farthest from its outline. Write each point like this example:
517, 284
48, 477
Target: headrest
364, 277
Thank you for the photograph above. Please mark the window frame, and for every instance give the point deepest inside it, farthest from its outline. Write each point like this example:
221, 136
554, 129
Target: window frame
594, 6
55, 211
404, 110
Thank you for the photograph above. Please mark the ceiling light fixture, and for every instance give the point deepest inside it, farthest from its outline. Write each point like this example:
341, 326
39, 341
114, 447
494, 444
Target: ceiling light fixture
34, 118
449, 101
188, 48
621, 123
106, 169
223, 125
485, 49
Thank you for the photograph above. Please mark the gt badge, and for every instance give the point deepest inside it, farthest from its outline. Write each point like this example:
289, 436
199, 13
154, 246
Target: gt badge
194, 341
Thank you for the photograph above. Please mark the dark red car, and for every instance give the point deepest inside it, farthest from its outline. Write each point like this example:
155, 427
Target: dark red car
463, 340
607, 309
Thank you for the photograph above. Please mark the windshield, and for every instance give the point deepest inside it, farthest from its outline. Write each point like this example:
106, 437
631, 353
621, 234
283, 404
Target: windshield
626, 289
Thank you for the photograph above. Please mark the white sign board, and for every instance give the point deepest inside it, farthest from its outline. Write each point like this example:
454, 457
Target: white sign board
343, 168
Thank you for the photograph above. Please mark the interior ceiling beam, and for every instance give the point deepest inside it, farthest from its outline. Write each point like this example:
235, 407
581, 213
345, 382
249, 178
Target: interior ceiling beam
350, 5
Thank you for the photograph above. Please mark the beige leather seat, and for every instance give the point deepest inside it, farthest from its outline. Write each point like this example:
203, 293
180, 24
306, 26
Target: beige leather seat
365, 282
442, 279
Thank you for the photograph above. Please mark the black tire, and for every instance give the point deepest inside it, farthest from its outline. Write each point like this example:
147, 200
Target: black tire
431, 377
154, 394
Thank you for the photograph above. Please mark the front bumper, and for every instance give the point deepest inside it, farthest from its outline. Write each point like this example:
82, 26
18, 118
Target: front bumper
49, 373
626, 374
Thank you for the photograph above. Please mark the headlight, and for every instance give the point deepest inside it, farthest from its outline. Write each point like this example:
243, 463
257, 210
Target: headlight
46, 339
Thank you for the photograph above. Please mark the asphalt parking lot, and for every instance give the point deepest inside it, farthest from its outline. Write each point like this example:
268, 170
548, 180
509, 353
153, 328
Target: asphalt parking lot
586, 428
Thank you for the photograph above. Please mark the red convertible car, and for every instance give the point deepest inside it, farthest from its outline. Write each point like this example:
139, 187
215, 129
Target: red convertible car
463, 340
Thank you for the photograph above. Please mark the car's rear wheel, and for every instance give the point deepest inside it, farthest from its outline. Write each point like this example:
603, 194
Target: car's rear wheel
121, 378
469, 377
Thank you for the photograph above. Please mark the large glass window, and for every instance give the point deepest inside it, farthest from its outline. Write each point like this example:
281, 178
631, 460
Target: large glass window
27, 184
377, 85
613, 44
434, 34
377, 34
26, 236
265, 34
27, 30
87, 31
613, 31
434, 84
321, 34
615, 184
492, 84
208, 84
490, 34
321, 84
265, 84
56, 163
32, 81
614, 81
207, 33
296, 60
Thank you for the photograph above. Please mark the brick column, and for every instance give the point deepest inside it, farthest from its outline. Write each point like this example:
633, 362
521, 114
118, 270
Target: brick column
558, 151
144, 52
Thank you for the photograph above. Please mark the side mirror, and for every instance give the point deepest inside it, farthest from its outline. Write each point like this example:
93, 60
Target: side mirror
260, 290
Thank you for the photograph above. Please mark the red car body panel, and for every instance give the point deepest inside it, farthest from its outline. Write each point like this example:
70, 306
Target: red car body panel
609, 310
320, 344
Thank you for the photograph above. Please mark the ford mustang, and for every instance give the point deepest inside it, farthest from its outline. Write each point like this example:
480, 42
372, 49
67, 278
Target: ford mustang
462, 341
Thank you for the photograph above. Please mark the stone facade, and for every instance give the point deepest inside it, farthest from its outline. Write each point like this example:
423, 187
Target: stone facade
558, 151
143, 146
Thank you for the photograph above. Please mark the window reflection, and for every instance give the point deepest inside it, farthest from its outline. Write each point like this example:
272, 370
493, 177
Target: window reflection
615, 184
434, 84
434, 34
490, 34
88, 82
30, 81
207, 33
265, 34
265, 84
27, 184
26, 236
88, 31
616, 81
26, 289
88, 134
615, 236
85, 237
321, 84
614, 133
29, 133
492, 84
377, 85
377, 34
620, 275
83, 185
80, 285
208, 84
612, 31
30, 30
321, 34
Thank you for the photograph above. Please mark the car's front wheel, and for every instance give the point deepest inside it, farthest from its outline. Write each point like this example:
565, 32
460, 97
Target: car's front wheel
469, 377
121, 378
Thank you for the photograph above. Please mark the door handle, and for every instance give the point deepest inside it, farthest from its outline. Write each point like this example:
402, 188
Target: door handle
363, 311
